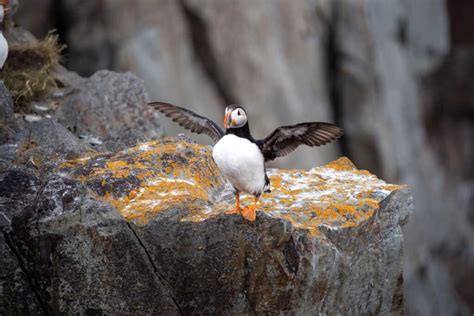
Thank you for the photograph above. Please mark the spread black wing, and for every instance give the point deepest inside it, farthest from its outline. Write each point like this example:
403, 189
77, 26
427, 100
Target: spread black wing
285, 139
189, 120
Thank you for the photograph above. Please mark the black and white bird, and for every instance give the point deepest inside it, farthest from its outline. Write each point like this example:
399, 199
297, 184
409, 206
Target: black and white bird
239, 156
3, 41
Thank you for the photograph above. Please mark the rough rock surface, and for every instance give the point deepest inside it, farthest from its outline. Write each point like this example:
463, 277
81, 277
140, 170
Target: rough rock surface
6, 115
142, 231
111, 107
377, 57
384, 48
17, 295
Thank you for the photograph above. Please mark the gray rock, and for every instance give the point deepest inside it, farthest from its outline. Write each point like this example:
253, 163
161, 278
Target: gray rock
110, 106
78, 256
34, 141
18, 188
226, 265
40, 144
16, 294
382, 55
289, 61
107, 234
7, 119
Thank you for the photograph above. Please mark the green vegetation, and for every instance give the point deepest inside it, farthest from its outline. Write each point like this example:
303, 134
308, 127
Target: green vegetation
27, 71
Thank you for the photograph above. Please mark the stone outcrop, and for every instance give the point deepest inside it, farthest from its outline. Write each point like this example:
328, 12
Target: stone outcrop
372, 66
97, 219
142, 231
386, 71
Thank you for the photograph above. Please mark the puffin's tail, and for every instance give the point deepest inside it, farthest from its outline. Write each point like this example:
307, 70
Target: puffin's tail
266, 188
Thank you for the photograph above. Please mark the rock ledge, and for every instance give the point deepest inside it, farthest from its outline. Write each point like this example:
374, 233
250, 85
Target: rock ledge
327, 240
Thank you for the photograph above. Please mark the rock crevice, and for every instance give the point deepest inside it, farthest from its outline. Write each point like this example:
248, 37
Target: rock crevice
325, 240
159, 275
204, 52
28, 277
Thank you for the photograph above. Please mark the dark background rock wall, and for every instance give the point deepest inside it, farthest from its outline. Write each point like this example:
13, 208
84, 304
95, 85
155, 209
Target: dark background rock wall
397, 75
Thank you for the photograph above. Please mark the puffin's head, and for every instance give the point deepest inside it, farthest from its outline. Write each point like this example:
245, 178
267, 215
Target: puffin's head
235, 116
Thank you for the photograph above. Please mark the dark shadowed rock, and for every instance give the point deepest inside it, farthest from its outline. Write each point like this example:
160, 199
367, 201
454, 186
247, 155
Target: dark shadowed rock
143, 232
78, 252
16, 295
18, 188
6, 115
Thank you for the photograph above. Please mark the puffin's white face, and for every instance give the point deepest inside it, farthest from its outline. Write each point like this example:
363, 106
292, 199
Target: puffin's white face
234, 117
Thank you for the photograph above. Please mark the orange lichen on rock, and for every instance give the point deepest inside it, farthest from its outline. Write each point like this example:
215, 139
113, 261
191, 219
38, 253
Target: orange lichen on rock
144, 181
343, 163
336, 195
150, 178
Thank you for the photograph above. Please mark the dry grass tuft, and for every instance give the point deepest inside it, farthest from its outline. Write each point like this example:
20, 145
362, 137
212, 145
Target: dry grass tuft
27, 71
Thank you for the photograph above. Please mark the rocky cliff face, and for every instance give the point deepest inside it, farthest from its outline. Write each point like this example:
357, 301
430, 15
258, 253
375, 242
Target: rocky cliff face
386, 71
95, 219
142, 231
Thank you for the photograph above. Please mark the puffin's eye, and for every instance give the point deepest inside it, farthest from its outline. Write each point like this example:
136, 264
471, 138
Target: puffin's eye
239, 113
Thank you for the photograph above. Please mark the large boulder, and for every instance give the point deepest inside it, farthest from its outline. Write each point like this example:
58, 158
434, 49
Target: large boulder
143, 231
376, 57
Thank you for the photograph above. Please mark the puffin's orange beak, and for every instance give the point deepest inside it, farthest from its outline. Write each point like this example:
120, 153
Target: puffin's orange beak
226, 119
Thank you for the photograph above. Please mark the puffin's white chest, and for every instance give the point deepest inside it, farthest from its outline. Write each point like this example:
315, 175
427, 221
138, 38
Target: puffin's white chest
241, 162
3, 49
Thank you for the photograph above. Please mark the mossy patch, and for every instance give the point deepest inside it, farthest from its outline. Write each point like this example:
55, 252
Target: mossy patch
27, 71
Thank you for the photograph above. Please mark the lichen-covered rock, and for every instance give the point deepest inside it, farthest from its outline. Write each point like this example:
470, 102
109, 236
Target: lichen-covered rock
143, 231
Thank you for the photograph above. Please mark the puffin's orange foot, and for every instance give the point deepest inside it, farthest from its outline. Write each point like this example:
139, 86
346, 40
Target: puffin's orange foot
249, 213
235, 210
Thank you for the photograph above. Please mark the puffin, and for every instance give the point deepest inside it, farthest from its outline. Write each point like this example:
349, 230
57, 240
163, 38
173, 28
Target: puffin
240, 157
3, 41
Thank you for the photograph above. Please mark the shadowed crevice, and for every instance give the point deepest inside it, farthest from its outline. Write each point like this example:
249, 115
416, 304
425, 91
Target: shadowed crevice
201, 45
333, 65
157, 272
47, 310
